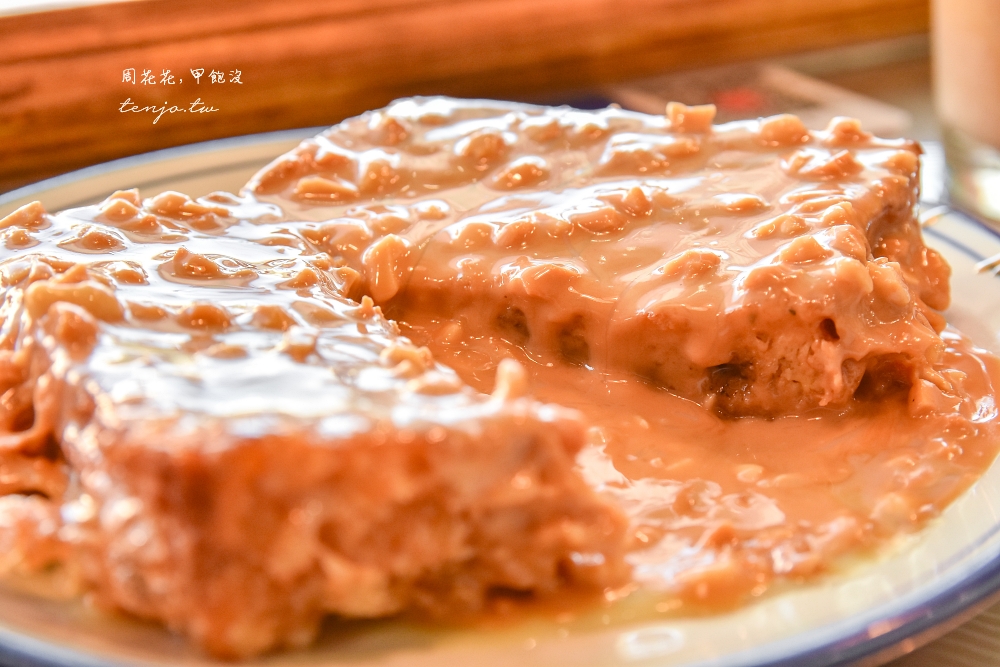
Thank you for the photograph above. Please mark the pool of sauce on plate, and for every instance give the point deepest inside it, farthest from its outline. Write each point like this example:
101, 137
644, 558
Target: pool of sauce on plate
722, 508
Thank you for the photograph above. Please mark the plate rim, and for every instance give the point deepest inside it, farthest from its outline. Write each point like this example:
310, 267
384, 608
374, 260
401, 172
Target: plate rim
216, 146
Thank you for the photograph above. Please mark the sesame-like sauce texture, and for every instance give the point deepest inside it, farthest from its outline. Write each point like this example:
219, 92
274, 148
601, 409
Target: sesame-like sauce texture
663, 275
722, 507
728, 362
756, 266
201, 429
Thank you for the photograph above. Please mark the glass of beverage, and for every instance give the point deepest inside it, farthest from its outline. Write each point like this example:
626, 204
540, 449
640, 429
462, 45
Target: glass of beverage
966, 56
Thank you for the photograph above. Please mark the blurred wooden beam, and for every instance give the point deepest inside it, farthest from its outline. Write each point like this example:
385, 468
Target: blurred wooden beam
314, 62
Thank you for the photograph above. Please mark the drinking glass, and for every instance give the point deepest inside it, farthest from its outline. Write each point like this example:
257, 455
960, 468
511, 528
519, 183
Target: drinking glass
966, 64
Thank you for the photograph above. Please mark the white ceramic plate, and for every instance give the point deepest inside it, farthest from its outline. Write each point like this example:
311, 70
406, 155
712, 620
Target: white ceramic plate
878, 609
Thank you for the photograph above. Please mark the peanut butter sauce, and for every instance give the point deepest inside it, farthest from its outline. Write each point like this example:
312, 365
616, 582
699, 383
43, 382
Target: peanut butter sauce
202, 429
720, 507
757, 266
655, 273
733, 328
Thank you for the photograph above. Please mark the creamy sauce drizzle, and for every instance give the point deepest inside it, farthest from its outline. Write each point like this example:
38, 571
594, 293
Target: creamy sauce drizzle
721, 507
757, 266
744, 317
